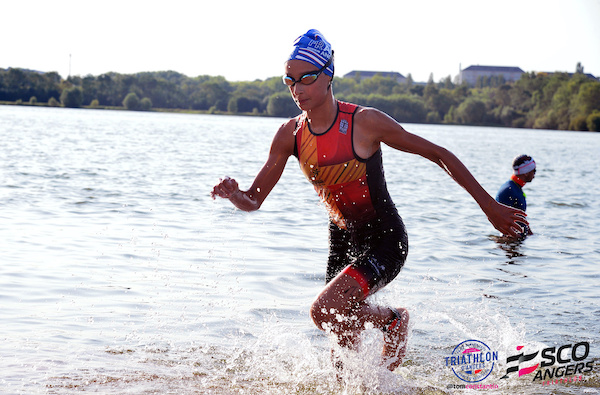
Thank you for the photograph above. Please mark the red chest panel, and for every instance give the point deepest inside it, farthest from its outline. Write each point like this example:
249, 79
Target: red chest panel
328, 162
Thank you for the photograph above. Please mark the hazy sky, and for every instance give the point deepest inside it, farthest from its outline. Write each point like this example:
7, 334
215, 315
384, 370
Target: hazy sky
248, 40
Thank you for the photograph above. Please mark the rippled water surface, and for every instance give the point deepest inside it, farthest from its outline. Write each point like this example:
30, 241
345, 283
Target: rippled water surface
119, 274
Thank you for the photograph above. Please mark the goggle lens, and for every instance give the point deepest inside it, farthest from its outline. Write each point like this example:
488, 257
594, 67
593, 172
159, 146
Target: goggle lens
306, 79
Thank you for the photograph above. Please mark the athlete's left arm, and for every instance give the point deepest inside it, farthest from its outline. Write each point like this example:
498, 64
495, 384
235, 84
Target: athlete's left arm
378, 127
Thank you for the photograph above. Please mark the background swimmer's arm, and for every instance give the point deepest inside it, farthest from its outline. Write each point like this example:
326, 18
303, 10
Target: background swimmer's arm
381, 128
282, 148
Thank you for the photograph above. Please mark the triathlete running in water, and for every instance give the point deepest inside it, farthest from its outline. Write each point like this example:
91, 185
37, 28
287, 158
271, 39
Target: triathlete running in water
338, 146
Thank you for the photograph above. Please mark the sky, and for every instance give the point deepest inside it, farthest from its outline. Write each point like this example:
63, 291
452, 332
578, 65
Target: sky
245, 40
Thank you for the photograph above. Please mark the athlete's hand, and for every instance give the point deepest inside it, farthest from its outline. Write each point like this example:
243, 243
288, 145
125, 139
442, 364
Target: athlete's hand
508, 220
226, 188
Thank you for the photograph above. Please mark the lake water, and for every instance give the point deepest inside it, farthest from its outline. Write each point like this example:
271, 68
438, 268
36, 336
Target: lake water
119, 273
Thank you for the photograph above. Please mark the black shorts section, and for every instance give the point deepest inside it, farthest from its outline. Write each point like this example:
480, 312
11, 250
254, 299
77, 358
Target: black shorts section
377, 249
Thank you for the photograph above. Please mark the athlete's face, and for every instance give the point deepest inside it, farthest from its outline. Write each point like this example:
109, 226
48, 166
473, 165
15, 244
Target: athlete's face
528, 177
307, 97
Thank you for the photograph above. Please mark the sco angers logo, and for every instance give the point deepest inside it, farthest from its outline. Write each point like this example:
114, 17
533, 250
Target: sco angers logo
472, 361
571, 359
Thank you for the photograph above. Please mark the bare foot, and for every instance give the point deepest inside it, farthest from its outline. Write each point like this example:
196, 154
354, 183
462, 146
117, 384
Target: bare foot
394, 337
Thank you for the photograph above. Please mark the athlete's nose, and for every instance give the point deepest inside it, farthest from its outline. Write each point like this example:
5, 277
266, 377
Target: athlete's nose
297, 88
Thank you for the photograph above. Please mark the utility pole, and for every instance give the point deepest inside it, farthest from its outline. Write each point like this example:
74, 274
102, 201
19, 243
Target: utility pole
69, 67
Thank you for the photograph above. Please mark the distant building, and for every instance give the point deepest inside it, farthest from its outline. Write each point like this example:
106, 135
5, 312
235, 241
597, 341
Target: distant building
472, 73
363, 75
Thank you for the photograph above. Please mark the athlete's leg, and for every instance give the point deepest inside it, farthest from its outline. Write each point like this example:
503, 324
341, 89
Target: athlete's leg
395, 339
341, 308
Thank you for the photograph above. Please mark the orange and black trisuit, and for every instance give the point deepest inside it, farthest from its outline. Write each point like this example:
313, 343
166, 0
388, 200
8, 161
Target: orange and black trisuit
367, 237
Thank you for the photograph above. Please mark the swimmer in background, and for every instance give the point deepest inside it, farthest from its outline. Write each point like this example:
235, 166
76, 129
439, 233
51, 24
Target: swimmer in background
338, 146
511, 192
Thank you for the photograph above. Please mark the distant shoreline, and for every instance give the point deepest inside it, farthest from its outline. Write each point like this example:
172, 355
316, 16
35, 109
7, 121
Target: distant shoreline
558, 101
117, 108
224, 113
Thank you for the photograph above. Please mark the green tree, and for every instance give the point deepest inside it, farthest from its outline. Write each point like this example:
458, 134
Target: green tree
282, 105
593, 122
471, 112
216, 92
243, 105
587, 99
450, 116
145, 104
378, 85
447, 83
72, 97
440, 102
131, 102
417, 90
560, 113
343, 86
403, 108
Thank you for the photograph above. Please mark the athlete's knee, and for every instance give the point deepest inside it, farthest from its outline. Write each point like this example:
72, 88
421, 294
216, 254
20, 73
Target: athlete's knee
321, 313
330, 317
334, 306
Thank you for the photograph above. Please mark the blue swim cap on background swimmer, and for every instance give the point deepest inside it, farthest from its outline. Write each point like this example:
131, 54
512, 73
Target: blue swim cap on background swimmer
312, 47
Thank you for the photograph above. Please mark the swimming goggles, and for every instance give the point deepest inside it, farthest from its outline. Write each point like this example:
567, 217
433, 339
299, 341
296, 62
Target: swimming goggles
307, 78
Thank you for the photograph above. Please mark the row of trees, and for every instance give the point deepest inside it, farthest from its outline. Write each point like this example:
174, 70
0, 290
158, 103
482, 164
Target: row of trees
549, 101
538, 100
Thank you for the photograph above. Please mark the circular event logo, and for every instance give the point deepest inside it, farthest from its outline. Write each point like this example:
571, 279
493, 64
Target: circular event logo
472, 361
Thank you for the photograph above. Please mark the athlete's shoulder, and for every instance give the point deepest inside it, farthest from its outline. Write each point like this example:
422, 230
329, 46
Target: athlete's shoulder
372, 116
506, 188
377, 124
506, 185
287, 129
284, 138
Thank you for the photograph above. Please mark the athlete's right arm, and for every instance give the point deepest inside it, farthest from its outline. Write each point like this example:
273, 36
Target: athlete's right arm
282, 148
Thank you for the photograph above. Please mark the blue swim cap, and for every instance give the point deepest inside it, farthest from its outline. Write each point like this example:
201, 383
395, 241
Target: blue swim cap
312, 47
